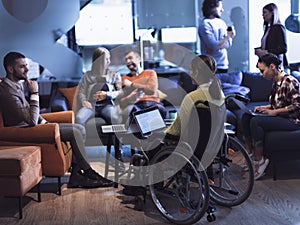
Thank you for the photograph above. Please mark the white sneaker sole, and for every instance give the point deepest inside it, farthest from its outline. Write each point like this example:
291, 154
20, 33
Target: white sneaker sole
261, 170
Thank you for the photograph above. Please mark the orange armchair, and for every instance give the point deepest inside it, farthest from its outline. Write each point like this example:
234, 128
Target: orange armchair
56, 155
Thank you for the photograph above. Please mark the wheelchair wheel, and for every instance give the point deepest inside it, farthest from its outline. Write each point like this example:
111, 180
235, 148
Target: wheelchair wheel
233, 175
180, 193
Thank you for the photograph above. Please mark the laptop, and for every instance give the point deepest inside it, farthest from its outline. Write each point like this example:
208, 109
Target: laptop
144, 122
115, 128
249, 111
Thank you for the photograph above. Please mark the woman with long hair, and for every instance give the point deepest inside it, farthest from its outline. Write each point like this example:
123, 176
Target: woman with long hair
97, 90
274, 38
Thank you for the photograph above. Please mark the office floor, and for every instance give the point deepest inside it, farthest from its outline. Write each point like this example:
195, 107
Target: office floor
271, 202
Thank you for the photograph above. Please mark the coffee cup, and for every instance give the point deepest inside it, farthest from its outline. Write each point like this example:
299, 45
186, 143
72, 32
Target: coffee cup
173, 114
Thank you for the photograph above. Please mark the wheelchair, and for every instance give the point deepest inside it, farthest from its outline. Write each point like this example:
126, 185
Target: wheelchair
181, 185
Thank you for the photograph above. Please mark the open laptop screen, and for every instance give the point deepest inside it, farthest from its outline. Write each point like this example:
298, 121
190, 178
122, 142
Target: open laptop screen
149, 119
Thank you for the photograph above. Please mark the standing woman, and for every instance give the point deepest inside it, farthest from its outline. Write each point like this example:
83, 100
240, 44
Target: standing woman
274, 38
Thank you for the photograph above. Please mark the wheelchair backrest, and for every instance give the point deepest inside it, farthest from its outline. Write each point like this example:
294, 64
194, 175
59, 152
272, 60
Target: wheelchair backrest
199, 128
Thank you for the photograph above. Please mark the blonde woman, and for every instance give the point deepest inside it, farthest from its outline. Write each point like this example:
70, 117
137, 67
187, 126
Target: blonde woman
97, 90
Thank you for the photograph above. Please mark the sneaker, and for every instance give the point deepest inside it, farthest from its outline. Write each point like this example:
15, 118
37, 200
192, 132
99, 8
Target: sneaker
244, 164
259, 168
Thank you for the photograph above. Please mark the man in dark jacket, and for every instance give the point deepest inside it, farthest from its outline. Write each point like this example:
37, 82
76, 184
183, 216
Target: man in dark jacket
17, 111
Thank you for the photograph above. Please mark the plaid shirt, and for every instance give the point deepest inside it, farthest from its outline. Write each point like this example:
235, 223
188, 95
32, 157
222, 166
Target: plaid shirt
286, 93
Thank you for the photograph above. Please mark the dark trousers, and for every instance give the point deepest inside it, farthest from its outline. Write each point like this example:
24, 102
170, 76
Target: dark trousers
255, 127
222, 71
75, 134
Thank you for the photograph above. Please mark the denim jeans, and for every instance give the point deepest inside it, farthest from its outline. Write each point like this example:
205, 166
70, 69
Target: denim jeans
109, 113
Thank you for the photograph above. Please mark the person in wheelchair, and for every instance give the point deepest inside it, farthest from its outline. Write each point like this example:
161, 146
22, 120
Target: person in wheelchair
209, 92
202, 71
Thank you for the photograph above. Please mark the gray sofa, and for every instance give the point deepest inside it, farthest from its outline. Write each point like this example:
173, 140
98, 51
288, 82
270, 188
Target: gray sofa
279, 146
250, 85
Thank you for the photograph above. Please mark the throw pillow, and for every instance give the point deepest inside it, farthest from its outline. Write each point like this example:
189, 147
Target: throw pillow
235, 89
231, 77
70, 95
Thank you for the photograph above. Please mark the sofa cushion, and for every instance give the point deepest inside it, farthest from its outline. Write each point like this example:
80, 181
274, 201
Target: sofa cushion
296, 74
231, 77
69, 94
235, 89
260, 88
274, 142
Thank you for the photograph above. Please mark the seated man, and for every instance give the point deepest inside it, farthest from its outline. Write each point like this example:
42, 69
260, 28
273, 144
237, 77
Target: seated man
18, 112
141, 87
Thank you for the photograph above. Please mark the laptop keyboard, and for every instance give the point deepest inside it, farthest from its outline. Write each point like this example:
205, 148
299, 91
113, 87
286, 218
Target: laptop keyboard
114, 128
119, 128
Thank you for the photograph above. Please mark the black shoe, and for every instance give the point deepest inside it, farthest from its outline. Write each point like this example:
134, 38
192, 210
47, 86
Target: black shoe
93, 175
133, 190
79, 180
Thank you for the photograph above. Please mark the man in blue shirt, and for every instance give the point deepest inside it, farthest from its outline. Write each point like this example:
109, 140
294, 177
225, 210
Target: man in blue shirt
214, 35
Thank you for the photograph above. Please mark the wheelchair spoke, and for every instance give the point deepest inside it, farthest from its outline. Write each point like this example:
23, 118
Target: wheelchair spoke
183, 196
